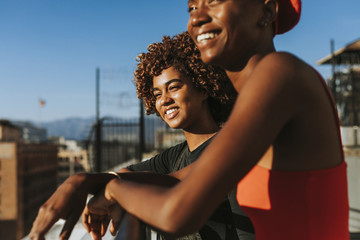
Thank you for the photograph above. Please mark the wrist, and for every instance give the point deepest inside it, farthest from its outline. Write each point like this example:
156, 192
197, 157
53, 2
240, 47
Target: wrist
108, 193
115, 174
91, 182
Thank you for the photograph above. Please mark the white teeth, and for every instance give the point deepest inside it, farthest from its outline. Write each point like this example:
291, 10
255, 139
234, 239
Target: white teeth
170, 111
205, 36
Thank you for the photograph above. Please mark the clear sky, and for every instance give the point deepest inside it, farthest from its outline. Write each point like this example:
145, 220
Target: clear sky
50, 49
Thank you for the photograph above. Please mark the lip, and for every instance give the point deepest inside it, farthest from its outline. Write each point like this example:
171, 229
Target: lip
213, 33
172, 114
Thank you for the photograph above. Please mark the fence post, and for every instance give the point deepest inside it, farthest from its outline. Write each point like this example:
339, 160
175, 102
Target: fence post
98, 124
333, 71
98, 140
141, 131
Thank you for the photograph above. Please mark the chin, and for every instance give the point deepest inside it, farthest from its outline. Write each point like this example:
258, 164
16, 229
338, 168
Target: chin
211, 58
174, 125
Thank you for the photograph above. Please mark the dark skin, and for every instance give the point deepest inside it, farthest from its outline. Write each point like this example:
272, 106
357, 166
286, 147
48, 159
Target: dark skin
70, 198
191, 113
289, 122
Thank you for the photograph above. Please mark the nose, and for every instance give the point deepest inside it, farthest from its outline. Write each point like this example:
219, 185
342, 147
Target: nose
165, 99
199, 16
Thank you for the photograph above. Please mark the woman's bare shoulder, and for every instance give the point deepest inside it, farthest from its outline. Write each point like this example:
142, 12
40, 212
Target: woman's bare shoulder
285, 69
278, 68
283, 62
284, 56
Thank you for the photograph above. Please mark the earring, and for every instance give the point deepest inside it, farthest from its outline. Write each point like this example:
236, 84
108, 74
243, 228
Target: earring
264, 23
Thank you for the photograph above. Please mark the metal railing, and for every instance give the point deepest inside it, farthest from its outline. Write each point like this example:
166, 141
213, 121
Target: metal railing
114, 141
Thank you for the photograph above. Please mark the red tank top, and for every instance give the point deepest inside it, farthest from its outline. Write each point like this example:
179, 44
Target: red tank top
297, 205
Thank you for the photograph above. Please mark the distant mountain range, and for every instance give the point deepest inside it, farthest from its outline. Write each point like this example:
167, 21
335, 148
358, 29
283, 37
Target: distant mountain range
79, 128
70, 128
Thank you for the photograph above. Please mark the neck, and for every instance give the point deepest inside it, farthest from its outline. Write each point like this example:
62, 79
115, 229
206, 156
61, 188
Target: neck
195, 140
244, 70
203, 128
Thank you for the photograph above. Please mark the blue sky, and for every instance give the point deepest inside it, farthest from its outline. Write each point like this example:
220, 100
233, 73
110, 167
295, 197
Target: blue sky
50, 49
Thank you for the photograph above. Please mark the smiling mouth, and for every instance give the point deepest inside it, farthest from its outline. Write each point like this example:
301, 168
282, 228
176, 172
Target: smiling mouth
170, 111
206, 36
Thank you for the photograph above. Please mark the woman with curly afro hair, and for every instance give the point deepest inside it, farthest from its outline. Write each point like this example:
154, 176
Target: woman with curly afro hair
181, 53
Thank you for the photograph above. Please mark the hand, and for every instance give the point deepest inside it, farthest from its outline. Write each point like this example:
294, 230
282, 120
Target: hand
98, 213
67, 203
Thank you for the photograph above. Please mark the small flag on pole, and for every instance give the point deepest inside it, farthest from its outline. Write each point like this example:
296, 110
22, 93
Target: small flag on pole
42, 102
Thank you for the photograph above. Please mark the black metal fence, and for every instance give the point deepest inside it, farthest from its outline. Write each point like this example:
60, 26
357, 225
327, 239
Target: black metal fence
115, 141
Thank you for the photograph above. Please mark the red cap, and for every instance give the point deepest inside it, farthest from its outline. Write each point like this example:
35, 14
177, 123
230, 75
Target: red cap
288, 15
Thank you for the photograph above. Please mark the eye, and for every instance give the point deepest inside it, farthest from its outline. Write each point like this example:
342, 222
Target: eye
213, 2
174, 86
191, 5
157, 95
191, 8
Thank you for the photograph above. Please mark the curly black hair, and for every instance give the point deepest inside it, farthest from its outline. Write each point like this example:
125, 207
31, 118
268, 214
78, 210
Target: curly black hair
181, 53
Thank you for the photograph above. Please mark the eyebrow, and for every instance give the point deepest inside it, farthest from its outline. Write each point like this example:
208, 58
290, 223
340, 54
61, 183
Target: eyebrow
168, 83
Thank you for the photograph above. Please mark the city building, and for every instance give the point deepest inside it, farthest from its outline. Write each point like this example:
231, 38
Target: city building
8, 131
30, 133
28, 177
72, 158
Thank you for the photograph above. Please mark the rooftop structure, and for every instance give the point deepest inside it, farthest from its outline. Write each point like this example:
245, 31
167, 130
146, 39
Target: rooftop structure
348, 55
344, 83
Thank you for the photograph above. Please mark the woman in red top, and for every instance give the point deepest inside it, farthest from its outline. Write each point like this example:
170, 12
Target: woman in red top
281, 145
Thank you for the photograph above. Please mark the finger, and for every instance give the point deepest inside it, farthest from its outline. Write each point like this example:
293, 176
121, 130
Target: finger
69, 226
95, 236
85, 218
114, 227
44, 221
104, 225
95, 224
116, 213
37, 232
36, 236
96, 217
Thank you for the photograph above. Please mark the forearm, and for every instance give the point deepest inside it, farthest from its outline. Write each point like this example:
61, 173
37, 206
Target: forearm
91, 182
149, 178
136, 192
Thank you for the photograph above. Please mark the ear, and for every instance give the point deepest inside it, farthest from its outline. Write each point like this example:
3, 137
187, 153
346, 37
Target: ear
270, 9
205, 95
